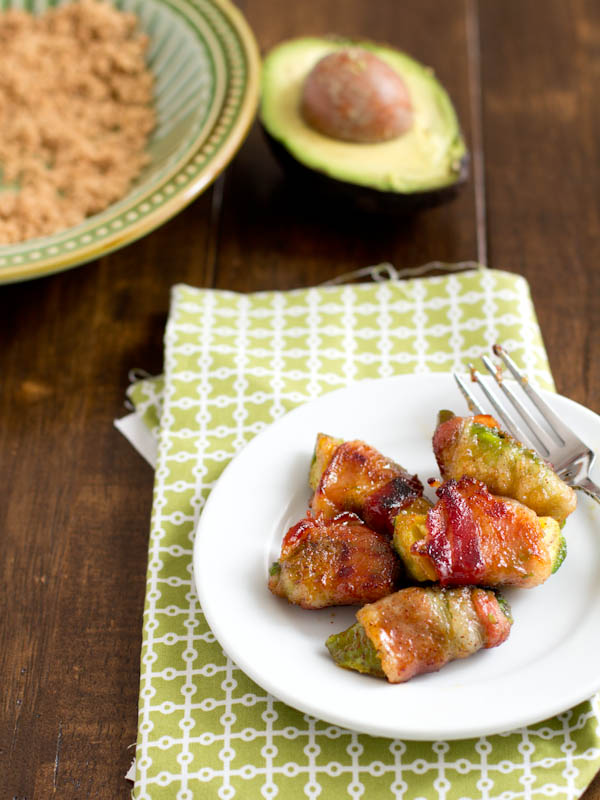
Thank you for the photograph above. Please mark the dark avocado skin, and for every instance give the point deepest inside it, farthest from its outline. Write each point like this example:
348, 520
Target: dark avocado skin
331, 190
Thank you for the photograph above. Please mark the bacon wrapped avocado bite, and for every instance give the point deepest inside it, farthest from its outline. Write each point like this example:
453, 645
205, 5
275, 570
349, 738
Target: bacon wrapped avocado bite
417, 630
353, 476
473, 537
334, 562
476, 447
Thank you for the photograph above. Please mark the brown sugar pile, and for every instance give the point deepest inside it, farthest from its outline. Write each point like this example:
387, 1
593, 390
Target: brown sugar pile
75, 115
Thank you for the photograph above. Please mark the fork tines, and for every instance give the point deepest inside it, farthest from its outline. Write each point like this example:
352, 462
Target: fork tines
543, 440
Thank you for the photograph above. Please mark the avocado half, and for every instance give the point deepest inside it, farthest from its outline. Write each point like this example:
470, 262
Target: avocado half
422, 167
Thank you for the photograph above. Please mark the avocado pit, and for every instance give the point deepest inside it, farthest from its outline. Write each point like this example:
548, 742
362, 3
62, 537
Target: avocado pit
352, 95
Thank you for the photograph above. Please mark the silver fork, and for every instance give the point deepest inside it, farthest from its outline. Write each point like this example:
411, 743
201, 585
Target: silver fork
570, 458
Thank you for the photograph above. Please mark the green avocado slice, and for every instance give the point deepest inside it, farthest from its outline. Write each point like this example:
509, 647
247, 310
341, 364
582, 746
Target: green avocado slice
352, 649
561, 554
444, 415
504, 606
431, 155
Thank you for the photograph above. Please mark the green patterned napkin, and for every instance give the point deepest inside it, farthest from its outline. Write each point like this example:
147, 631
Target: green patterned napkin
233, 364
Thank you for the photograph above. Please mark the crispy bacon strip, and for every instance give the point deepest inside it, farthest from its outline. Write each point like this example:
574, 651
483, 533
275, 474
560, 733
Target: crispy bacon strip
474, 537
334, 562
359, 479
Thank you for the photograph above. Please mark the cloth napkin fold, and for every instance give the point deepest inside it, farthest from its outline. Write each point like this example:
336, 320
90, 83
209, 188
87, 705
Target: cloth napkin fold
233, 364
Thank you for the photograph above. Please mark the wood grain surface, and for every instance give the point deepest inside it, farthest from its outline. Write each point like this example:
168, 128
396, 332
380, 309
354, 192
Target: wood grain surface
76, 497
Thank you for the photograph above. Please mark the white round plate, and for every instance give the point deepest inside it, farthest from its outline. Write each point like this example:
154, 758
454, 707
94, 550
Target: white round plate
549, 663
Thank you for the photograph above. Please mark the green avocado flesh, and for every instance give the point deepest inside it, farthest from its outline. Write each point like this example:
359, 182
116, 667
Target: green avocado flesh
504, 606
487, 437
352, 649
494, 441
428, 156
561, 554
444, 415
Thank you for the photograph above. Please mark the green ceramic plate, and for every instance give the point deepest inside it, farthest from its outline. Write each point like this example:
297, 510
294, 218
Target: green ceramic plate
206, 64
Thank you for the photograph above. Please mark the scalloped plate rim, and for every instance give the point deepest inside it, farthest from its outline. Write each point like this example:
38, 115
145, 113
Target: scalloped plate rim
128, 234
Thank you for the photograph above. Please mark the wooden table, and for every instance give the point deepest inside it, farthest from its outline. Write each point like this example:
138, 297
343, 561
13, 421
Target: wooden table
76, 497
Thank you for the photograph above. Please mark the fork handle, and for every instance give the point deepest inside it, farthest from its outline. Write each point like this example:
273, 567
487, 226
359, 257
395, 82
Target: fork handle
590, 488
